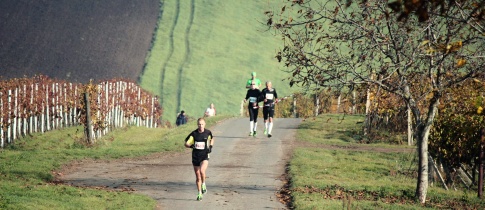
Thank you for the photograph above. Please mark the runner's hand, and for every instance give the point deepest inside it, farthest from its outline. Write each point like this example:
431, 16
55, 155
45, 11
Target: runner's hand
210, 148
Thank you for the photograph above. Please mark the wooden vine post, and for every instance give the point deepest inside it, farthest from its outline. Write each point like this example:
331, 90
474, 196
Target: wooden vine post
88, 118
317, 104
241, 110
480, 160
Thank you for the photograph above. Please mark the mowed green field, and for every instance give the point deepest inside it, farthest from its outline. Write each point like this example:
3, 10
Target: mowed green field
204, 52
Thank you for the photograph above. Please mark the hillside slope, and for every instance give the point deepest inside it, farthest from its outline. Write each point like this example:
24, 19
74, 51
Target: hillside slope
205, 51
76, 40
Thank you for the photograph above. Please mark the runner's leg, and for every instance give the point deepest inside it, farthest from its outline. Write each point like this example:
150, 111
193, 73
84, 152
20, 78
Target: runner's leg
265, 117
198, 177
203, 168
270, 126
251, 120
255, 119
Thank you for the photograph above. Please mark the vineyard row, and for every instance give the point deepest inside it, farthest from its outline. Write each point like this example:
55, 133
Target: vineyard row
41, 104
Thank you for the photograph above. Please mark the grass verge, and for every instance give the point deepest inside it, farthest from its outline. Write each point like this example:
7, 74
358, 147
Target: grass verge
331, 170
26, 168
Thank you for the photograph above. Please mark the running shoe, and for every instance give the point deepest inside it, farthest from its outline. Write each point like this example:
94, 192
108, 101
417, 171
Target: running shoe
265, 132
250, 133
269, 135
199, 196
204, 189
254, 134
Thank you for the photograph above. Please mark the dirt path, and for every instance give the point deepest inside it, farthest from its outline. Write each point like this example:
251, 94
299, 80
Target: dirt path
244, 172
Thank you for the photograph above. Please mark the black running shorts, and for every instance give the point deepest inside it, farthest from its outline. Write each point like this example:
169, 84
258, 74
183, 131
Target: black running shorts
198, 157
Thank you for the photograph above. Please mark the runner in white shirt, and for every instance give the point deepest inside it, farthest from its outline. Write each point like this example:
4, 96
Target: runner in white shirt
270, 97
210, 111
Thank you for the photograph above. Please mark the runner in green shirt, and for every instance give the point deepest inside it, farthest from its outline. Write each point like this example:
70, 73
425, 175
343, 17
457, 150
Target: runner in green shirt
256, 81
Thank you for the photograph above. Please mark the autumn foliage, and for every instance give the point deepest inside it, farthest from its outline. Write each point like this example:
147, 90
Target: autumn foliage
40, 104
456, 135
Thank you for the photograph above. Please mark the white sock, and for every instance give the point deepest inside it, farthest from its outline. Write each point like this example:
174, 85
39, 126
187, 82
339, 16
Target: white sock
255, 125
266, 125
270, 127
200, 192
251, 125
203, 183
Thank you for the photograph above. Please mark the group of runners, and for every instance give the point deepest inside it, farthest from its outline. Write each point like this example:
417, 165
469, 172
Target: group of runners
254, 96
201, 140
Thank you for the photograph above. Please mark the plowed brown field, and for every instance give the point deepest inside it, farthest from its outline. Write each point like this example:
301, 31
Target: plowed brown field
76, 40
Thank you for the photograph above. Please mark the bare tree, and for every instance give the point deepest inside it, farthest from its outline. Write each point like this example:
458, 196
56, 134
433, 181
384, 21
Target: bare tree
327, 44
423, 9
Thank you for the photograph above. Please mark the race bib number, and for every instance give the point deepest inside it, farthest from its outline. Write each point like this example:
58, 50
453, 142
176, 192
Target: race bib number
199, 145
269, 96
252, 99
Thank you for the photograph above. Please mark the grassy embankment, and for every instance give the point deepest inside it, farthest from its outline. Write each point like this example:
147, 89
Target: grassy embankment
26, 167
333, 171
204, 52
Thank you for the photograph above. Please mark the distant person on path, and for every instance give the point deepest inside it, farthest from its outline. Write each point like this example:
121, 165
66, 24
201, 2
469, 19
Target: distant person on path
210, 111
181, 118
270, 97
201, 142
253, 80
254, 97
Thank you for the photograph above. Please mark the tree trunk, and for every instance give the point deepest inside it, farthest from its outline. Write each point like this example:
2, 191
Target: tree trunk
338, 103
410, 129
422, 184
353, 102
367, 110
422, 134
317, 105
480, 161
367, 101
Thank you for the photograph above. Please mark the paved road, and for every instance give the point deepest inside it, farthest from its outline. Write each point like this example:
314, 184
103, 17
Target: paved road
244, 172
